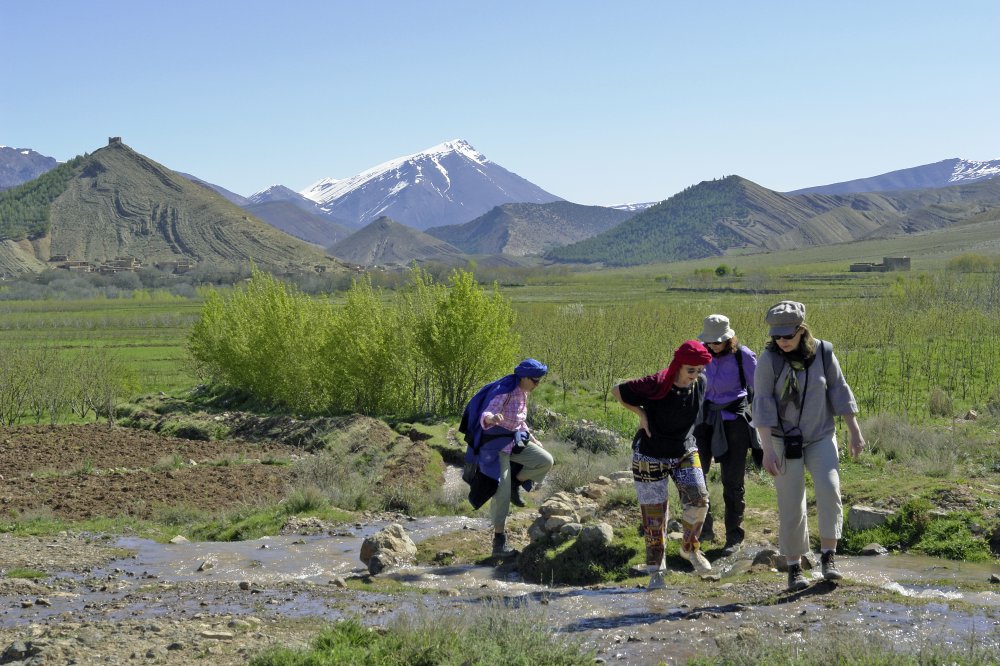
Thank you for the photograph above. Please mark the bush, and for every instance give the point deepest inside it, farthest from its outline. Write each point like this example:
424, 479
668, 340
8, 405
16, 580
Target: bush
925, 450
939, 402
494, 634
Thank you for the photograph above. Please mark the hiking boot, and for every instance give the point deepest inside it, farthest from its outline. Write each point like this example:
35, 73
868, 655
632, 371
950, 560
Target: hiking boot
731, 548
656, 581
515, 495
500, 547
698, 561
830, 571
796, 581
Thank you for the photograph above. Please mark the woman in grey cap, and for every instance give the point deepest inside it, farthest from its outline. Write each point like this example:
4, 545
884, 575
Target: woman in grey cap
726, 434
799, 389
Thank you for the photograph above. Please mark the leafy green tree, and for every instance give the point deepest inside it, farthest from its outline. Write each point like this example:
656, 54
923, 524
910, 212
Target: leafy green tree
464, 335
265, 339
364, 352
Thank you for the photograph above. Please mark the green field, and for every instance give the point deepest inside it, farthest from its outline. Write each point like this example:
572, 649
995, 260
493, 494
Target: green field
148, 335
899, 336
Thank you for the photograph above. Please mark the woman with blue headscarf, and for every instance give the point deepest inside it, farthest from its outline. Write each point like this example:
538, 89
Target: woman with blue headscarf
495, 423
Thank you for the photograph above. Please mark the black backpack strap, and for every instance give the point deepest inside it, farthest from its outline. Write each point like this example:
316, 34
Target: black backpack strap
739, 364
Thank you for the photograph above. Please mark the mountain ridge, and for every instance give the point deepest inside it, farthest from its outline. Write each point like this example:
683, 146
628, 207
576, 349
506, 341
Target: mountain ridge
521, 229
451, 183
117, 202
385, 241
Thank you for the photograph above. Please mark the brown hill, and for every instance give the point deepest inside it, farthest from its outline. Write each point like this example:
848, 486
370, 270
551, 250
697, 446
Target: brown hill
120, 203
522, 229
387, 242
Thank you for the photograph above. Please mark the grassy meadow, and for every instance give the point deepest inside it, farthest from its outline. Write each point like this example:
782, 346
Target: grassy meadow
920, 349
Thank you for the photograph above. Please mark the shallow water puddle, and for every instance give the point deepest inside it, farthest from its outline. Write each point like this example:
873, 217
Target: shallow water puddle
289, 576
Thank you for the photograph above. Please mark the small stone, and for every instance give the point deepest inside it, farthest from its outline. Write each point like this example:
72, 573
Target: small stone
179, 539
218, 635
874, 549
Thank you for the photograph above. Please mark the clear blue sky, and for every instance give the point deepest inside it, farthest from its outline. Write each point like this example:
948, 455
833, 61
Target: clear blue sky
596, 102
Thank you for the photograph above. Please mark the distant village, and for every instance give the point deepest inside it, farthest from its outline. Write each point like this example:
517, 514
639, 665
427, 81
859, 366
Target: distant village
119, 265
888, 264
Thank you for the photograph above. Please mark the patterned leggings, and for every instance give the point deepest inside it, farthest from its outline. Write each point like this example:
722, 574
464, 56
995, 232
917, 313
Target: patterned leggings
651, 476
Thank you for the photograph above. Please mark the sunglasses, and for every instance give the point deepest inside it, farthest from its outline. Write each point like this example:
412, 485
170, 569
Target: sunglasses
785, 337
720, 342
535, 380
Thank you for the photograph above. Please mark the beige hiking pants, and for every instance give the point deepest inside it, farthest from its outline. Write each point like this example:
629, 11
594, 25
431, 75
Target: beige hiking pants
822, 461
537, 463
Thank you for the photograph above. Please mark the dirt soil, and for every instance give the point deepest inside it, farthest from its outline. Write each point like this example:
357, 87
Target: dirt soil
82, 609
84, 471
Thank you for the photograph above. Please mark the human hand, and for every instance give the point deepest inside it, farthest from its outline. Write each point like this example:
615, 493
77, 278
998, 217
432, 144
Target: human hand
770, 462
857, 444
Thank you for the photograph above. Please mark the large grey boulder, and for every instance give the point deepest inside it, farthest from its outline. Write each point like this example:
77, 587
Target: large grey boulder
861, 517
391, 546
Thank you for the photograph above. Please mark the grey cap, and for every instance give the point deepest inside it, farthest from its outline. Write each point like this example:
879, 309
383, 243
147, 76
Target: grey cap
716, 329
785, 317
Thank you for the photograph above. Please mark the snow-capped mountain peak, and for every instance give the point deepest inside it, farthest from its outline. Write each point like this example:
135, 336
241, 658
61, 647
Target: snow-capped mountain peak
326, 190
449, 183
966, 170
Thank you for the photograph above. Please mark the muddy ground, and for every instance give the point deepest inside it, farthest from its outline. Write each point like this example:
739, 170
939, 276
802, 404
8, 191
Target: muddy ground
95, 604
85, 471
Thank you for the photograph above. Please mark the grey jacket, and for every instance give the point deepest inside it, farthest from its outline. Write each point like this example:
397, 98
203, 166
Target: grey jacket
826, 396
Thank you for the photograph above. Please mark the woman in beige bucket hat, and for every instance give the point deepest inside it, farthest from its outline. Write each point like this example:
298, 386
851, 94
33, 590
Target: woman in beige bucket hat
799, 389
726, 434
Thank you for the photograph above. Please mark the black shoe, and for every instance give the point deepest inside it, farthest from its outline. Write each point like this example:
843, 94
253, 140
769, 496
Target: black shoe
830, 571
707, 536
500, 547
796, 581
515, 495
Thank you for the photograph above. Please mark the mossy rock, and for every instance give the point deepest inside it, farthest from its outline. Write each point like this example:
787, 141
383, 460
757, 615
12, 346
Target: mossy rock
577, 563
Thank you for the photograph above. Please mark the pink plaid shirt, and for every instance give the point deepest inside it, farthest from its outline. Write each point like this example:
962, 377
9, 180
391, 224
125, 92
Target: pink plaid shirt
513, 407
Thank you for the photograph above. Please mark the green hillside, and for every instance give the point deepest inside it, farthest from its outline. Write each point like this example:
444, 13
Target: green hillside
24, 210
116, 202
682, 227
733, 214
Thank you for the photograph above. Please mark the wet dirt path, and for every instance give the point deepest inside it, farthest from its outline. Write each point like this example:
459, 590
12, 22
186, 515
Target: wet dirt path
280, 580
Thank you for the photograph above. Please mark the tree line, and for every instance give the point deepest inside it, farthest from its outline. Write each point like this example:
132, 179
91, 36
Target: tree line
419, 349
43, 383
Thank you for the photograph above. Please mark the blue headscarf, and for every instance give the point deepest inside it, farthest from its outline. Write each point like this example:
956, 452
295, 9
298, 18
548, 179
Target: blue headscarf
471, 423
529, 367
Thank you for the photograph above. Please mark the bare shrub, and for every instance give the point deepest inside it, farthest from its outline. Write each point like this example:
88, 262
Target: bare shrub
345, 487
575, 467
939, 402
925, 450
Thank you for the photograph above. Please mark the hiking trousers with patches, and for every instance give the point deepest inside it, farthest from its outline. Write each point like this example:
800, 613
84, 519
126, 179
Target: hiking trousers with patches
536, 463
651, 476
823, 462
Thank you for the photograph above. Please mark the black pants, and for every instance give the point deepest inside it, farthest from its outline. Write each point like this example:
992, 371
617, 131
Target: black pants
733, 467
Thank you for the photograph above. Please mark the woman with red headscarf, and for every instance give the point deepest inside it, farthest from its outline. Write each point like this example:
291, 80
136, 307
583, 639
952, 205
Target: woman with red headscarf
668, 404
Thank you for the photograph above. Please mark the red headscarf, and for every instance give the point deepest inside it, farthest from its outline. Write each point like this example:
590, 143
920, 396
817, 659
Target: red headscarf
691, 352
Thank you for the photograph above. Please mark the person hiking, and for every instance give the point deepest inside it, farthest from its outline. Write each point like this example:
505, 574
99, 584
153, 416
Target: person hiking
668, 404
726, 434
798, 389
503, 455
